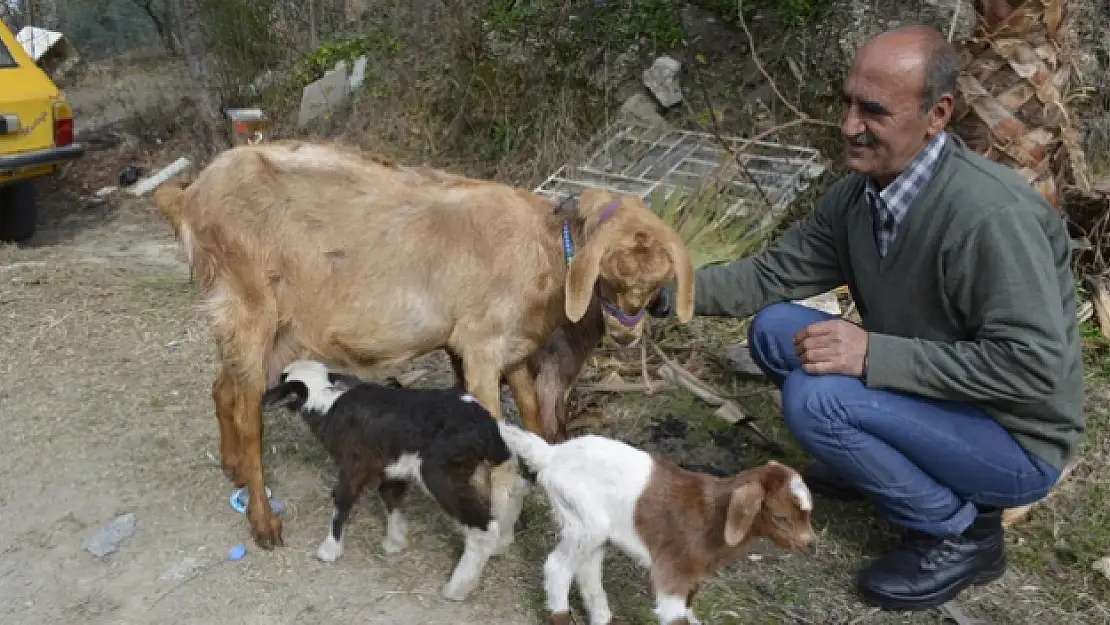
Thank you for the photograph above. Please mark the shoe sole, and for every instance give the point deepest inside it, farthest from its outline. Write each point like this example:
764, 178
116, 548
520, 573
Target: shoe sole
984, 577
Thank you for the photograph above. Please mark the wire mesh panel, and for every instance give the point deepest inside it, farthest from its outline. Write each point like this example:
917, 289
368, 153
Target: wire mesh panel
637, 159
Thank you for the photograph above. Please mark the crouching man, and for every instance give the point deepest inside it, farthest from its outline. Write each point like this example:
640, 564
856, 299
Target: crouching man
962, 392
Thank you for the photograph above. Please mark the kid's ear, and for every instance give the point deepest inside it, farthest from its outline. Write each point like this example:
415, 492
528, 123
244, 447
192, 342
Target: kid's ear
743, 508
291, 395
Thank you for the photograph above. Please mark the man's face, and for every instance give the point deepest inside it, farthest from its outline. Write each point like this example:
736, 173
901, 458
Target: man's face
883, 124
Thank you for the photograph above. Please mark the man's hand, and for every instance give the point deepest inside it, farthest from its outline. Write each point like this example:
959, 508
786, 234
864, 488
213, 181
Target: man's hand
834, 346
663, 305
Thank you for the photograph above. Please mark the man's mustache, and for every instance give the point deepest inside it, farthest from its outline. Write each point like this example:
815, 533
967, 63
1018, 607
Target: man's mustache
863, 140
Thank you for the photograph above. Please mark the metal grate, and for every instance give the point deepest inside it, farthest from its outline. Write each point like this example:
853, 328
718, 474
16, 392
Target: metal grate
637, 159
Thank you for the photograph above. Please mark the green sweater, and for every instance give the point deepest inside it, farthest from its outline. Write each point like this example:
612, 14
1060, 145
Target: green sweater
974, 301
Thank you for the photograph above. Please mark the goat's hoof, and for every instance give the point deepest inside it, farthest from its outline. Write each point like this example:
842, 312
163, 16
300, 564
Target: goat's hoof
267, 533
392, 545
329, 550
458, 591
233, 475
503, 543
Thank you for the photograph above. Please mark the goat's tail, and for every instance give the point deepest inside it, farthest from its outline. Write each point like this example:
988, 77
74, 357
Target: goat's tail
530, 448
169, 198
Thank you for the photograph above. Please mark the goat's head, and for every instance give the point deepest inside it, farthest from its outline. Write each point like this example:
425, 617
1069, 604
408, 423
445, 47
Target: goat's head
776, 504
306, 385
628, 255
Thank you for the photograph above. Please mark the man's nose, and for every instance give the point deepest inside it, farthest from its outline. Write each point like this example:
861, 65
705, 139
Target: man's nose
851, 124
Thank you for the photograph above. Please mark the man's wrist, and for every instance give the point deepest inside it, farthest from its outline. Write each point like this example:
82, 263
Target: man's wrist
663, 304
866, 357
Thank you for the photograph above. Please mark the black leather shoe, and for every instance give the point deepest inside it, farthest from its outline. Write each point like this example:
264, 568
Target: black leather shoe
823, 482
926, 571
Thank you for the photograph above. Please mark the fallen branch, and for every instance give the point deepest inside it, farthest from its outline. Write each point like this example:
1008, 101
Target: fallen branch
622, 387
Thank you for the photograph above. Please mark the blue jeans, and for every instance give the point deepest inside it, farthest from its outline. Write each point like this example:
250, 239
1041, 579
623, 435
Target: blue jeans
927, 465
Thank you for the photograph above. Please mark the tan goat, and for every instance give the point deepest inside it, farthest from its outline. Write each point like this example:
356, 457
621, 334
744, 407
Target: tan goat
306, 250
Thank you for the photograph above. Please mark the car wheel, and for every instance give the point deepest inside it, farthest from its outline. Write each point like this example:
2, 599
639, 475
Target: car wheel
18, 212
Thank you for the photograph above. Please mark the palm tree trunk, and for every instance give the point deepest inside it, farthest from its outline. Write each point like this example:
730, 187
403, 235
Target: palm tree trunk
1014, 92
1013, 103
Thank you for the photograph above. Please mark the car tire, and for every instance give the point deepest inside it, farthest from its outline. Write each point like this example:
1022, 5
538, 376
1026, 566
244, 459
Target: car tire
18, 212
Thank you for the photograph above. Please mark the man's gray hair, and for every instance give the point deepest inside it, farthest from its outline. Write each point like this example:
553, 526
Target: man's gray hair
942, 67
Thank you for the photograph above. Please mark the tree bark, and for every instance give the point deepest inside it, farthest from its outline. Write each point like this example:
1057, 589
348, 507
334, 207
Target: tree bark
209, 136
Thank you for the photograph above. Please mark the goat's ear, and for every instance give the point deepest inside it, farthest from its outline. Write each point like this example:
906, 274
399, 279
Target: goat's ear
684, 277
345, 380
291, 394
581, 277
743, 507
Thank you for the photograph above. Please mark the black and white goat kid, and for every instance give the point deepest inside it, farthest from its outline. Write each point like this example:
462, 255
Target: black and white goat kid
386, 437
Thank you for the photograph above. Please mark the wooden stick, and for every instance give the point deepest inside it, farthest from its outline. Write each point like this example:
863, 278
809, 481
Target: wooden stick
679, 376
621, 387
1101, 301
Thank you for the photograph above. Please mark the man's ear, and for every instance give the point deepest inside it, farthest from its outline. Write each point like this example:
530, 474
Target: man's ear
291, 395
941, 113
743, 507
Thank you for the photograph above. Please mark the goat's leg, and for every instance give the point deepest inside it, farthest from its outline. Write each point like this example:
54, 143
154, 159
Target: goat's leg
507, 488
580, 539
521, 382
224, 396
452, 489
591, 589
343, 498
265, 525
674, 599
393, 495
693, 620
251, 343
458, 369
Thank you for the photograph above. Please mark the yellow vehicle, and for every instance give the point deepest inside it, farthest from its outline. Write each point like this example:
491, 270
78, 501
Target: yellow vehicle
36, 136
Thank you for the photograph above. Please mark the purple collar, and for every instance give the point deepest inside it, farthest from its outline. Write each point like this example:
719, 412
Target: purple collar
608, 211
626, 320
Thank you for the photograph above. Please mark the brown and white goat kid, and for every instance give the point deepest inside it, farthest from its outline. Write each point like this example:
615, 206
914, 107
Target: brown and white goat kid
316, 250
386, 438
681, 525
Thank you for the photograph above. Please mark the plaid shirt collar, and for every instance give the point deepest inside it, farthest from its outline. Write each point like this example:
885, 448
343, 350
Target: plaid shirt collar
891, 204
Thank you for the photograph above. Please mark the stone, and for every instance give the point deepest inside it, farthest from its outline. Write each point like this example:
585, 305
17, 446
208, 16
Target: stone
324, 94
661, 79
642, 108
358, 73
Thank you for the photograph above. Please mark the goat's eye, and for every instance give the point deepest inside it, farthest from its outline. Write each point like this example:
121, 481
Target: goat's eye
781, 520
